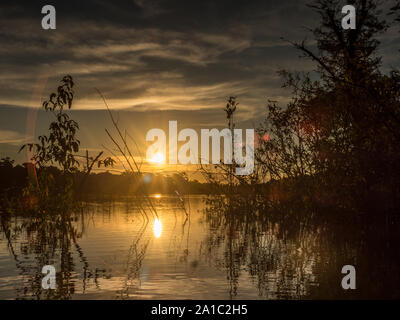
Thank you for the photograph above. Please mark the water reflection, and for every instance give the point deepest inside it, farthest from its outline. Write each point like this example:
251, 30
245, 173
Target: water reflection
157, 228
210, 250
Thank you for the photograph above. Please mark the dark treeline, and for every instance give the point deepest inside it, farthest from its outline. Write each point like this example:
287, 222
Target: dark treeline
16, 177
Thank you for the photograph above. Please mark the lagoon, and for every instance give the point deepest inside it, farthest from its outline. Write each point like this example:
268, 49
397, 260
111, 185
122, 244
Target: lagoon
110, 250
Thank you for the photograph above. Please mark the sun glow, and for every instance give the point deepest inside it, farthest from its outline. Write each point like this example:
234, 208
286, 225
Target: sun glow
158, 158
157, 228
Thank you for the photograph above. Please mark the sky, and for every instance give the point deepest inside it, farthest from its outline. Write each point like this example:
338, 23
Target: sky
153, 60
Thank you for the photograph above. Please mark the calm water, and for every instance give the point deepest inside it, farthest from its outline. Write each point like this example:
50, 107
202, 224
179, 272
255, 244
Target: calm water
111, 251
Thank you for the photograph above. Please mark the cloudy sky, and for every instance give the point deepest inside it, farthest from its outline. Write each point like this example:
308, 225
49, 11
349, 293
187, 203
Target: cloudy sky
154, 61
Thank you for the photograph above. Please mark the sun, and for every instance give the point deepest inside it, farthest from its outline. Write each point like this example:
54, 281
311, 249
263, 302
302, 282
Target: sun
158, 158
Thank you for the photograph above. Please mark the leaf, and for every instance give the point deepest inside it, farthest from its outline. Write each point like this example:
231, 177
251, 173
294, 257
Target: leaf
22, 147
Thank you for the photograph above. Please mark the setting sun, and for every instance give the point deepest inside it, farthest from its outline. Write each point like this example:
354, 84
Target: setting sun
158, 158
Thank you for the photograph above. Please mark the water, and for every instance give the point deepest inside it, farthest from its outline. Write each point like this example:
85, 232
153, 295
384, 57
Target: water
111, 251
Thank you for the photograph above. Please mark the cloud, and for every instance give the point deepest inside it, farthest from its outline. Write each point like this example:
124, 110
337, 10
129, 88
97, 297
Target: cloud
12, 137
167, 55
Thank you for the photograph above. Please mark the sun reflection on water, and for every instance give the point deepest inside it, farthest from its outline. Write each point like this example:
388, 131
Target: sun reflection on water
157, 228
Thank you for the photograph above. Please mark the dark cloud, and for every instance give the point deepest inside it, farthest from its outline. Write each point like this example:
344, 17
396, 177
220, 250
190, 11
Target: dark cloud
190, 53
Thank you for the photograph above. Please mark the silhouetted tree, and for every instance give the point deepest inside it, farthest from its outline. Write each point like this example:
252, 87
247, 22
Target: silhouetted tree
344, 127
60, 147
